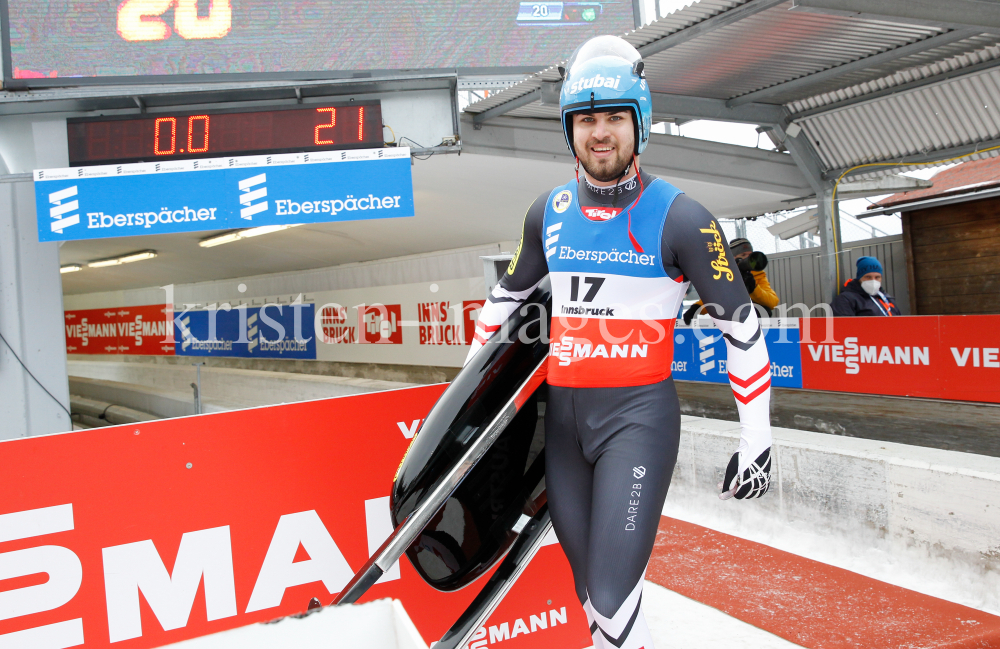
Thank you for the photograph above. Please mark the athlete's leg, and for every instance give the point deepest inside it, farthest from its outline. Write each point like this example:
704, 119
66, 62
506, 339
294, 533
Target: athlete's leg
632, 436
568, 483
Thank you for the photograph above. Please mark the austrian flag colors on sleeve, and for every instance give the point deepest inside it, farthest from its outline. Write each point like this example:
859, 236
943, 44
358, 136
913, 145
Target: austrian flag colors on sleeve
748, 390
750, 377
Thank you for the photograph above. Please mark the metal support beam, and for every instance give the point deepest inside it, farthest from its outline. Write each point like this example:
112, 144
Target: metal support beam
903, 87
804, 156
637, 13
864, 188
828, 214
830, 240
169, 96
854, 66
767, 176
708, 25
513, 104
456, 127
931, 157
685, 107
435, 150
981, 15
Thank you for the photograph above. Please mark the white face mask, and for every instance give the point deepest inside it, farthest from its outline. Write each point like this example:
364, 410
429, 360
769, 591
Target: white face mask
871, 287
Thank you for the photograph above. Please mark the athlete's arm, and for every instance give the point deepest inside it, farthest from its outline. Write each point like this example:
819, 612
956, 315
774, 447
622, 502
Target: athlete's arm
526, 269
694, 243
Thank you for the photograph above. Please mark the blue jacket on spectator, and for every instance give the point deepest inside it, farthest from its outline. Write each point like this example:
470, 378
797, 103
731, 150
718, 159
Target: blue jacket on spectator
853, 301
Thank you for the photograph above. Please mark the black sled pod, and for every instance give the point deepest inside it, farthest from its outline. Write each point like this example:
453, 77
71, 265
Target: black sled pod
473, 475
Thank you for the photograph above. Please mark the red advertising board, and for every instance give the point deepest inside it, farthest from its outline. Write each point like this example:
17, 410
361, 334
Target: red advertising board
937, 357
471, 310
381, 324
145, 535
146, 330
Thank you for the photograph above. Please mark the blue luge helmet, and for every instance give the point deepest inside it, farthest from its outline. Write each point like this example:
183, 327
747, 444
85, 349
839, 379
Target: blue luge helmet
603, 73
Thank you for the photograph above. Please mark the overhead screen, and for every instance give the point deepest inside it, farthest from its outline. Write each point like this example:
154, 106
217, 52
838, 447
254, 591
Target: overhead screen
112, 39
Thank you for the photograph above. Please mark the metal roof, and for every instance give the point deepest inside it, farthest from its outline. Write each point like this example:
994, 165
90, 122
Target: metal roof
866, 81
943, 116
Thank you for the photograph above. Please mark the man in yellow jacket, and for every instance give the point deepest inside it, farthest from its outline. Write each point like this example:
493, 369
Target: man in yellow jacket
751, 267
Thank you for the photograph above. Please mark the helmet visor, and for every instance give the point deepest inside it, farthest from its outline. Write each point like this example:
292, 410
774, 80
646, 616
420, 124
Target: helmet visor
603, 46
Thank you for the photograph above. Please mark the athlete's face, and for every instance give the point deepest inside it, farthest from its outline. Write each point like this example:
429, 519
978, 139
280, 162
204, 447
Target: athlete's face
604, 142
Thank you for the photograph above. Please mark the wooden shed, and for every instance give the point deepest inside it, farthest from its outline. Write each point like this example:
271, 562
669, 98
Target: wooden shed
951, 237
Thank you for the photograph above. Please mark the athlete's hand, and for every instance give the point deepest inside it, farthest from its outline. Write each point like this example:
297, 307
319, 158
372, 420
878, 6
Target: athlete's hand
752, 483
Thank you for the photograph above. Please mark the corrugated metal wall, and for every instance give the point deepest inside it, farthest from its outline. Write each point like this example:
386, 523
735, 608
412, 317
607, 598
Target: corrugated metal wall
795, 275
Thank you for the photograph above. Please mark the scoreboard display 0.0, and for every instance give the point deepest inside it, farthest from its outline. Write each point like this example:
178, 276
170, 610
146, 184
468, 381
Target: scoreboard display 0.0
213, 134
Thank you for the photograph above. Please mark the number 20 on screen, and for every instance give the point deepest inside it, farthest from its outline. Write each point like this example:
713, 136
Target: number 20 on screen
140, 20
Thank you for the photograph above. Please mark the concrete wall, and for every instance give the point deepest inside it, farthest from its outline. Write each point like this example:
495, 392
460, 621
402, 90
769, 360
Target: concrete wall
34, 397
429, 267
395, 373
943, 501
165, 390
161, 403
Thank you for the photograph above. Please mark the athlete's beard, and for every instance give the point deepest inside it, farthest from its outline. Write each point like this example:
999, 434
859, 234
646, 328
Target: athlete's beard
610, 169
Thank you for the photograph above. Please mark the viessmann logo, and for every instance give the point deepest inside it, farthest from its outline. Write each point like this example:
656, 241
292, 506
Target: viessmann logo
204, 561
569, 349
851, 354
60, 212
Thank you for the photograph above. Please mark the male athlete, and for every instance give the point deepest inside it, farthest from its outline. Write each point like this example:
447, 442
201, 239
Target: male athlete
620, 247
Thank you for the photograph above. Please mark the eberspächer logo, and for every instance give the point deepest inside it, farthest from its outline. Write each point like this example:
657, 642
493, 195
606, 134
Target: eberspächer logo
60, 209
248, 197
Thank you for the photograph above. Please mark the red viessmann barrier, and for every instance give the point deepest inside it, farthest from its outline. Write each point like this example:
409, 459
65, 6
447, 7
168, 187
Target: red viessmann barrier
121, 330
163, 531
938, 357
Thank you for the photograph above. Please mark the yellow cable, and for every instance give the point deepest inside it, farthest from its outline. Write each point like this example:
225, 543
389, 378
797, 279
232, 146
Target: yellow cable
833, 200
391, 131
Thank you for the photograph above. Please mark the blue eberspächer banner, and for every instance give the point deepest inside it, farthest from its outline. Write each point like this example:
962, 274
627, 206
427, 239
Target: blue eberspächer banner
700, 353
222, 193
269, 331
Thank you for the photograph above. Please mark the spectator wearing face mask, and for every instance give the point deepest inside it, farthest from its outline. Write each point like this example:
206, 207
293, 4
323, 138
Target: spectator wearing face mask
863, 295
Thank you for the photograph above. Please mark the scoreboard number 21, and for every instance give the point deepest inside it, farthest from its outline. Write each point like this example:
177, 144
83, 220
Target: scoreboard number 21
199, 129
141, 20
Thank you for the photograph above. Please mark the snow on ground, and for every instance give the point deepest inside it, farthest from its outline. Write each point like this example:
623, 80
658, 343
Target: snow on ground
887, 560
677, 622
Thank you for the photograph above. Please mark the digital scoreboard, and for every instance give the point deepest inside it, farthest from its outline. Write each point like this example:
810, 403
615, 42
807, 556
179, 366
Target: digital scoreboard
218, 133
76, 42
563, 14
